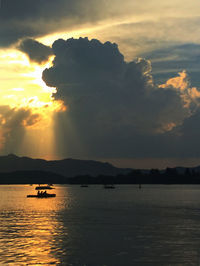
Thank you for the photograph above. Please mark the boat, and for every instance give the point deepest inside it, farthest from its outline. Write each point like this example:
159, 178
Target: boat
44, 187
42, 196
109, 186
42, 192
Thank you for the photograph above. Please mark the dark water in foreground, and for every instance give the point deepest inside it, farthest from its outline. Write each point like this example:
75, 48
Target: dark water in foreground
158, 225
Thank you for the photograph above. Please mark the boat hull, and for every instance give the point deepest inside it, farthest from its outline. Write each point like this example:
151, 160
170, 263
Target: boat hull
43, 187
109, 187
42, 196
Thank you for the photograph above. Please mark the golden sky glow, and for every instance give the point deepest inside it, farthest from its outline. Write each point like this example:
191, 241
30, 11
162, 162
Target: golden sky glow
92, 29
22, 84
22, 87
21, 80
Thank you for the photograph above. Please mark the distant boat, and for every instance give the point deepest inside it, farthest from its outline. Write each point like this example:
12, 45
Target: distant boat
44, 187
109, 186
84, 185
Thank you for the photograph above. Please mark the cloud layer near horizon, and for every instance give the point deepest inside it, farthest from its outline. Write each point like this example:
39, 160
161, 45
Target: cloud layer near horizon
114, 106
13, 124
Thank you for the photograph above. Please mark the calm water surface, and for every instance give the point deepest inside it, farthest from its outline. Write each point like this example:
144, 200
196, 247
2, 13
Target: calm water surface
157, 225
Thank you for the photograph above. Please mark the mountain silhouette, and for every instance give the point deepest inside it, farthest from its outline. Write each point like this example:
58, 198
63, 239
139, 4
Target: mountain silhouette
66, 167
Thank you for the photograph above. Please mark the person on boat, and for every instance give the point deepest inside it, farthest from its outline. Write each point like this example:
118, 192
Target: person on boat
45, 193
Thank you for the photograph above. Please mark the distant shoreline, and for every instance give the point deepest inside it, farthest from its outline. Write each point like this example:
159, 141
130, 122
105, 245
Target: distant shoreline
69, 171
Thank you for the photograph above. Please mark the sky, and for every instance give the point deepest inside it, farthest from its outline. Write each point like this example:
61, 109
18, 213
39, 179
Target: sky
102, 80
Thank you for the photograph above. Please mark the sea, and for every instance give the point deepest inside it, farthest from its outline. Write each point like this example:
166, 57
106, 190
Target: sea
94, 226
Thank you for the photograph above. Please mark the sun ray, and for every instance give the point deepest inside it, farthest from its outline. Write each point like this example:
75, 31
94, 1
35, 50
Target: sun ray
21, 86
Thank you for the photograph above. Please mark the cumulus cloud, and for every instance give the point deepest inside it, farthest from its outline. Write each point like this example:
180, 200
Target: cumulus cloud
170, 60
111, 102
13, 122
190, 95
35, 50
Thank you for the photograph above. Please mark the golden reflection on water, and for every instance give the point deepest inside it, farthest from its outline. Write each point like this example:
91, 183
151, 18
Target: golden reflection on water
159, 226
28, 233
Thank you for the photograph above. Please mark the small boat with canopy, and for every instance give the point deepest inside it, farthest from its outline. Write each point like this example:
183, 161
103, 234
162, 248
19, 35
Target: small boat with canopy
44, 187
42, 192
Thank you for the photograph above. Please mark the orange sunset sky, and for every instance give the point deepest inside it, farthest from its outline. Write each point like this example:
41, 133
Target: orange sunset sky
101, 80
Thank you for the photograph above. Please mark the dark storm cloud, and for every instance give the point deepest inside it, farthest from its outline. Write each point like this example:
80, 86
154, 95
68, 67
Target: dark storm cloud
114, 107
29, 18
35, 50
